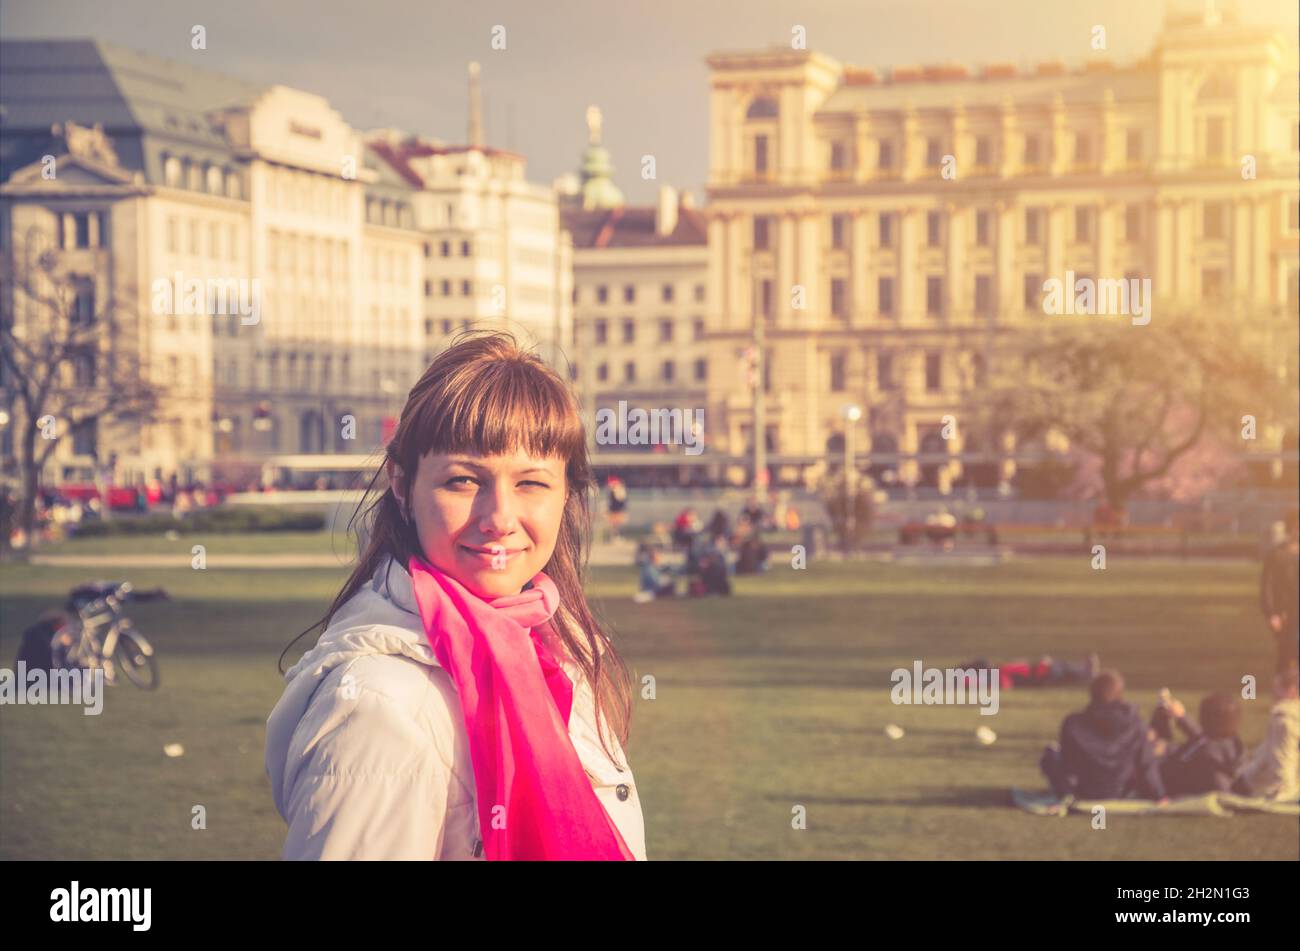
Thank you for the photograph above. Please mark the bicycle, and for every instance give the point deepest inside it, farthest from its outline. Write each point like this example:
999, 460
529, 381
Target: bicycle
96, 634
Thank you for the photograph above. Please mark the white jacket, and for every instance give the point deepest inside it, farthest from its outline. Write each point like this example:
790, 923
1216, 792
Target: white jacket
367, 750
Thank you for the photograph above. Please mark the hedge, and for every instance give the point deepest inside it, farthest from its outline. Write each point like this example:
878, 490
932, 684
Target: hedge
217, 521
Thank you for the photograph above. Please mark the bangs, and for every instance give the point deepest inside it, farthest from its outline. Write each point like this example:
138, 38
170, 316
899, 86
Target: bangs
497, 407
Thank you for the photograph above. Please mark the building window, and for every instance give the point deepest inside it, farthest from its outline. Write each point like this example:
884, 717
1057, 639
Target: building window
602, 372
629, 372
837, 373
466, 288
1033, 291
933, 372
629, 331
766, 299
1132, 222
602, 294
838, 157
602, 331
933, 229
697, 328
760, 154
1033, 150
1082, 148
885, 295
700, 293
1216, 139
701, 369
428, 288
668, 370
983, 294
885, 155
762, 236
1082, 224
464, 249
1214, 218
446, 288
444, 249
886, 229
666, 293
983, 151
934, 295
982, 228
1033, 225
839, 298
83, 303
446, 326
84, 438
629, 293
933, 151
1133, 146
885, 371
839, 231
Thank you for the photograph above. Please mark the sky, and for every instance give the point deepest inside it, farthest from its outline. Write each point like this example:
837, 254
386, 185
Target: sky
402, 64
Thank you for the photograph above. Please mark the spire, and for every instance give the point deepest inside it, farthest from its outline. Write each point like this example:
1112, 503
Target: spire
598, 188
475, 109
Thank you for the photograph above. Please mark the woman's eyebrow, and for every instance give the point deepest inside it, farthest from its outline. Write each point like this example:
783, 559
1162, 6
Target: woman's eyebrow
474, 465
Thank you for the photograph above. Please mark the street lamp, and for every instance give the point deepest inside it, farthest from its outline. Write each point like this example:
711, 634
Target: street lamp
852, 413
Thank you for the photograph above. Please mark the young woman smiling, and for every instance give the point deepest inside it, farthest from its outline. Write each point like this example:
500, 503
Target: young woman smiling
458, 702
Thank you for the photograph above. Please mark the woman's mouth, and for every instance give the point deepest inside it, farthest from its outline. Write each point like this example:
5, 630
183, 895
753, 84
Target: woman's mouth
493, 556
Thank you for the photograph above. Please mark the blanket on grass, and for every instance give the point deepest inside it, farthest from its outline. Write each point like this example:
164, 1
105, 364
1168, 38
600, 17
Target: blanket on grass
1210, 804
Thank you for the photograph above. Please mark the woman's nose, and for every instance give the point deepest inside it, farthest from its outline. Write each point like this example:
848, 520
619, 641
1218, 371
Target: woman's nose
497, 516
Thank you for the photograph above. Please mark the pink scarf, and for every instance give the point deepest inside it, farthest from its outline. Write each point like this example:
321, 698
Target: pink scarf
534, 798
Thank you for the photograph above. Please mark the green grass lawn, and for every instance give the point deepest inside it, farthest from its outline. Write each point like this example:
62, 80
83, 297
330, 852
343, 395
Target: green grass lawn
769, 700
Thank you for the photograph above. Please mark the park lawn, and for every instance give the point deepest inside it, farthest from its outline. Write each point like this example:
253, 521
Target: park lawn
773, 699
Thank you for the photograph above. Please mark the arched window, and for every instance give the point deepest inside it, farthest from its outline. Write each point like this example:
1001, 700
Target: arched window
764, 107
214, 180
234, 189
172, 171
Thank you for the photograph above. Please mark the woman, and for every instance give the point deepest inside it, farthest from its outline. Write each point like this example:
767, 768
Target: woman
458, 703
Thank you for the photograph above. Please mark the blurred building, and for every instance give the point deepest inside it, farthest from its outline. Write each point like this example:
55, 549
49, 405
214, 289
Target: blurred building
328, 269
891, 232
639, 297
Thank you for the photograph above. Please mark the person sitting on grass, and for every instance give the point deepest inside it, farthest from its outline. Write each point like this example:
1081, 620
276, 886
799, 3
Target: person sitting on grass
1210, 758
1105, 751
1272, 769
656, 579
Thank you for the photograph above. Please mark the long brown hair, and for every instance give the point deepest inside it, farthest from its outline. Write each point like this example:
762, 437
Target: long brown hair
484, 395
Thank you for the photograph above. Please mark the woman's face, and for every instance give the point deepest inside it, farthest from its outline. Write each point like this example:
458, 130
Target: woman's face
490, 522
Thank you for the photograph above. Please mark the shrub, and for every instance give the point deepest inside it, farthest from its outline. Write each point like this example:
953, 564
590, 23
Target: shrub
213, 521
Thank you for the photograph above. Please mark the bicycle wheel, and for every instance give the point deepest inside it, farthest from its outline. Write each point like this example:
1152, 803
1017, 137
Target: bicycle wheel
134, 658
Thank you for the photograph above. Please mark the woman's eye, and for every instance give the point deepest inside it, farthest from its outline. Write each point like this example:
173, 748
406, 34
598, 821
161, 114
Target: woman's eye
457, 479
542, 484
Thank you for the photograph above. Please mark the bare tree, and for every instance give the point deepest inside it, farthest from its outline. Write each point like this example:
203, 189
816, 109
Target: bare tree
70, 358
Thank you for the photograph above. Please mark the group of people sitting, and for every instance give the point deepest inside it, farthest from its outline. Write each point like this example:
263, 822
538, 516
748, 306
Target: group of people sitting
713, 555
1107, 751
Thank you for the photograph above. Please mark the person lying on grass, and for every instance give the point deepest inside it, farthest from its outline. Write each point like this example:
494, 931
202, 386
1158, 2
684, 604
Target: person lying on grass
1045, 672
